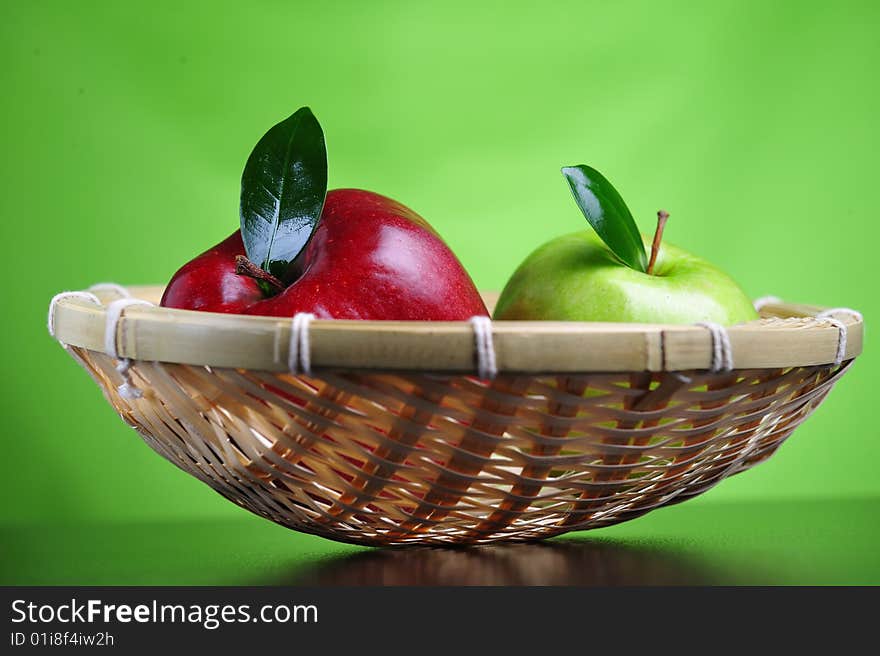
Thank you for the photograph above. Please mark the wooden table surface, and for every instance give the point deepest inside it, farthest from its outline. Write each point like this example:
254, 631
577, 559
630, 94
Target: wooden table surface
816, 542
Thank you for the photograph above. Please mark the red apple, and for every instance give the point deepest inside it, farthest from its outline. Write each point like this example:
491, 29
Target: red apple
369, 258
209, 282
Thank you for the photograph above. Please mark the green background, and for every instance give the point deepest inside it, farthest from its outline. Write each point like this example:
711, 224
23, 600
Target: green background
126, 127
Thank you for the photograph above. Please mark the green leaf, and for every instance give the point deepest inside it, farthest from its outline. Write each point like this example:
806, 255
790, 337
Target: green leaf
282, 192
608, 214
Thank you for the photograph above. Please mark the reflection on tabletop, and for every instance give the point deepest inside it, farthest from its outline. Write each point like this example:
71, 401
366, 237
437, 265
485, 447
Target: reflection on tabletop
762, 542
555, 562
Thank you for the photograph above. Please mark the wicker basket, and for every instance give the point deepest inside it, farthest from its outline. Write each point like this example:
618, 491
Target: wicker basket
395, 441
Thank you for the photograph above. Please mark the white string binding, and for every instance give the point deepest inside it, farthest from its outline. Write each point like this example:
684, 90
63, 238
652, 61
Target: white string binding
487, 368
828, 317
722, 353
119, 290
114, 313
299, 357
50, 320
759, 303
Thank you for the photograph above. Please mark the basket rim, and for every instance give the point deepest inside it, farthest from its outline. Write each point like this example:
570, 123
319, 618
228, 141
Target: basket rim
786, 335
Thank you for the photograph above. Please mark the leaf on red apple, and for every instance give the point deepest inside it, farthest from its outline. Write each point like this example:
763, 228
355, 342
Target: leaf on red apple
608, 214
282, 192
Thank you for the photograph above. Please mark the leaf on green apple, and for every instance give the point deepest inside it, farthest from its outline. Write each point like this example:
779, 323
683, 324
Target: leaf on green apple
282, 192
608, 214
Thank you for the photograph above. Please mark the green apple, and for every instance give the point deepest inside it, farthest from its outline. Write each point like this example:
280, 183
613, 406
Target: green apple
576, 277
606, 276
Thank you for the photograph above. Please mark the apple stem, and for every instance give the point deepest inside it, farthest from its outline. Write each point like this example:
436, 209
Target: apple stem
662, 215
244, 267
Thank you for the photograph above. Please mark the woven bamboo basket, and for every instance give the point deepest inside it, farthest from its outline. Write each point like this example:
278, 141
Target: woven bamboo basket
393, 439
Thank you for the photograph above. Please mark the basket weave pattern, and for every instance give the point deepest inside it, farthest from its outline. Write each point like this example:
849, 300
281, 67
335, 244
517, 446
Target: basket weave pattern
394, 459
